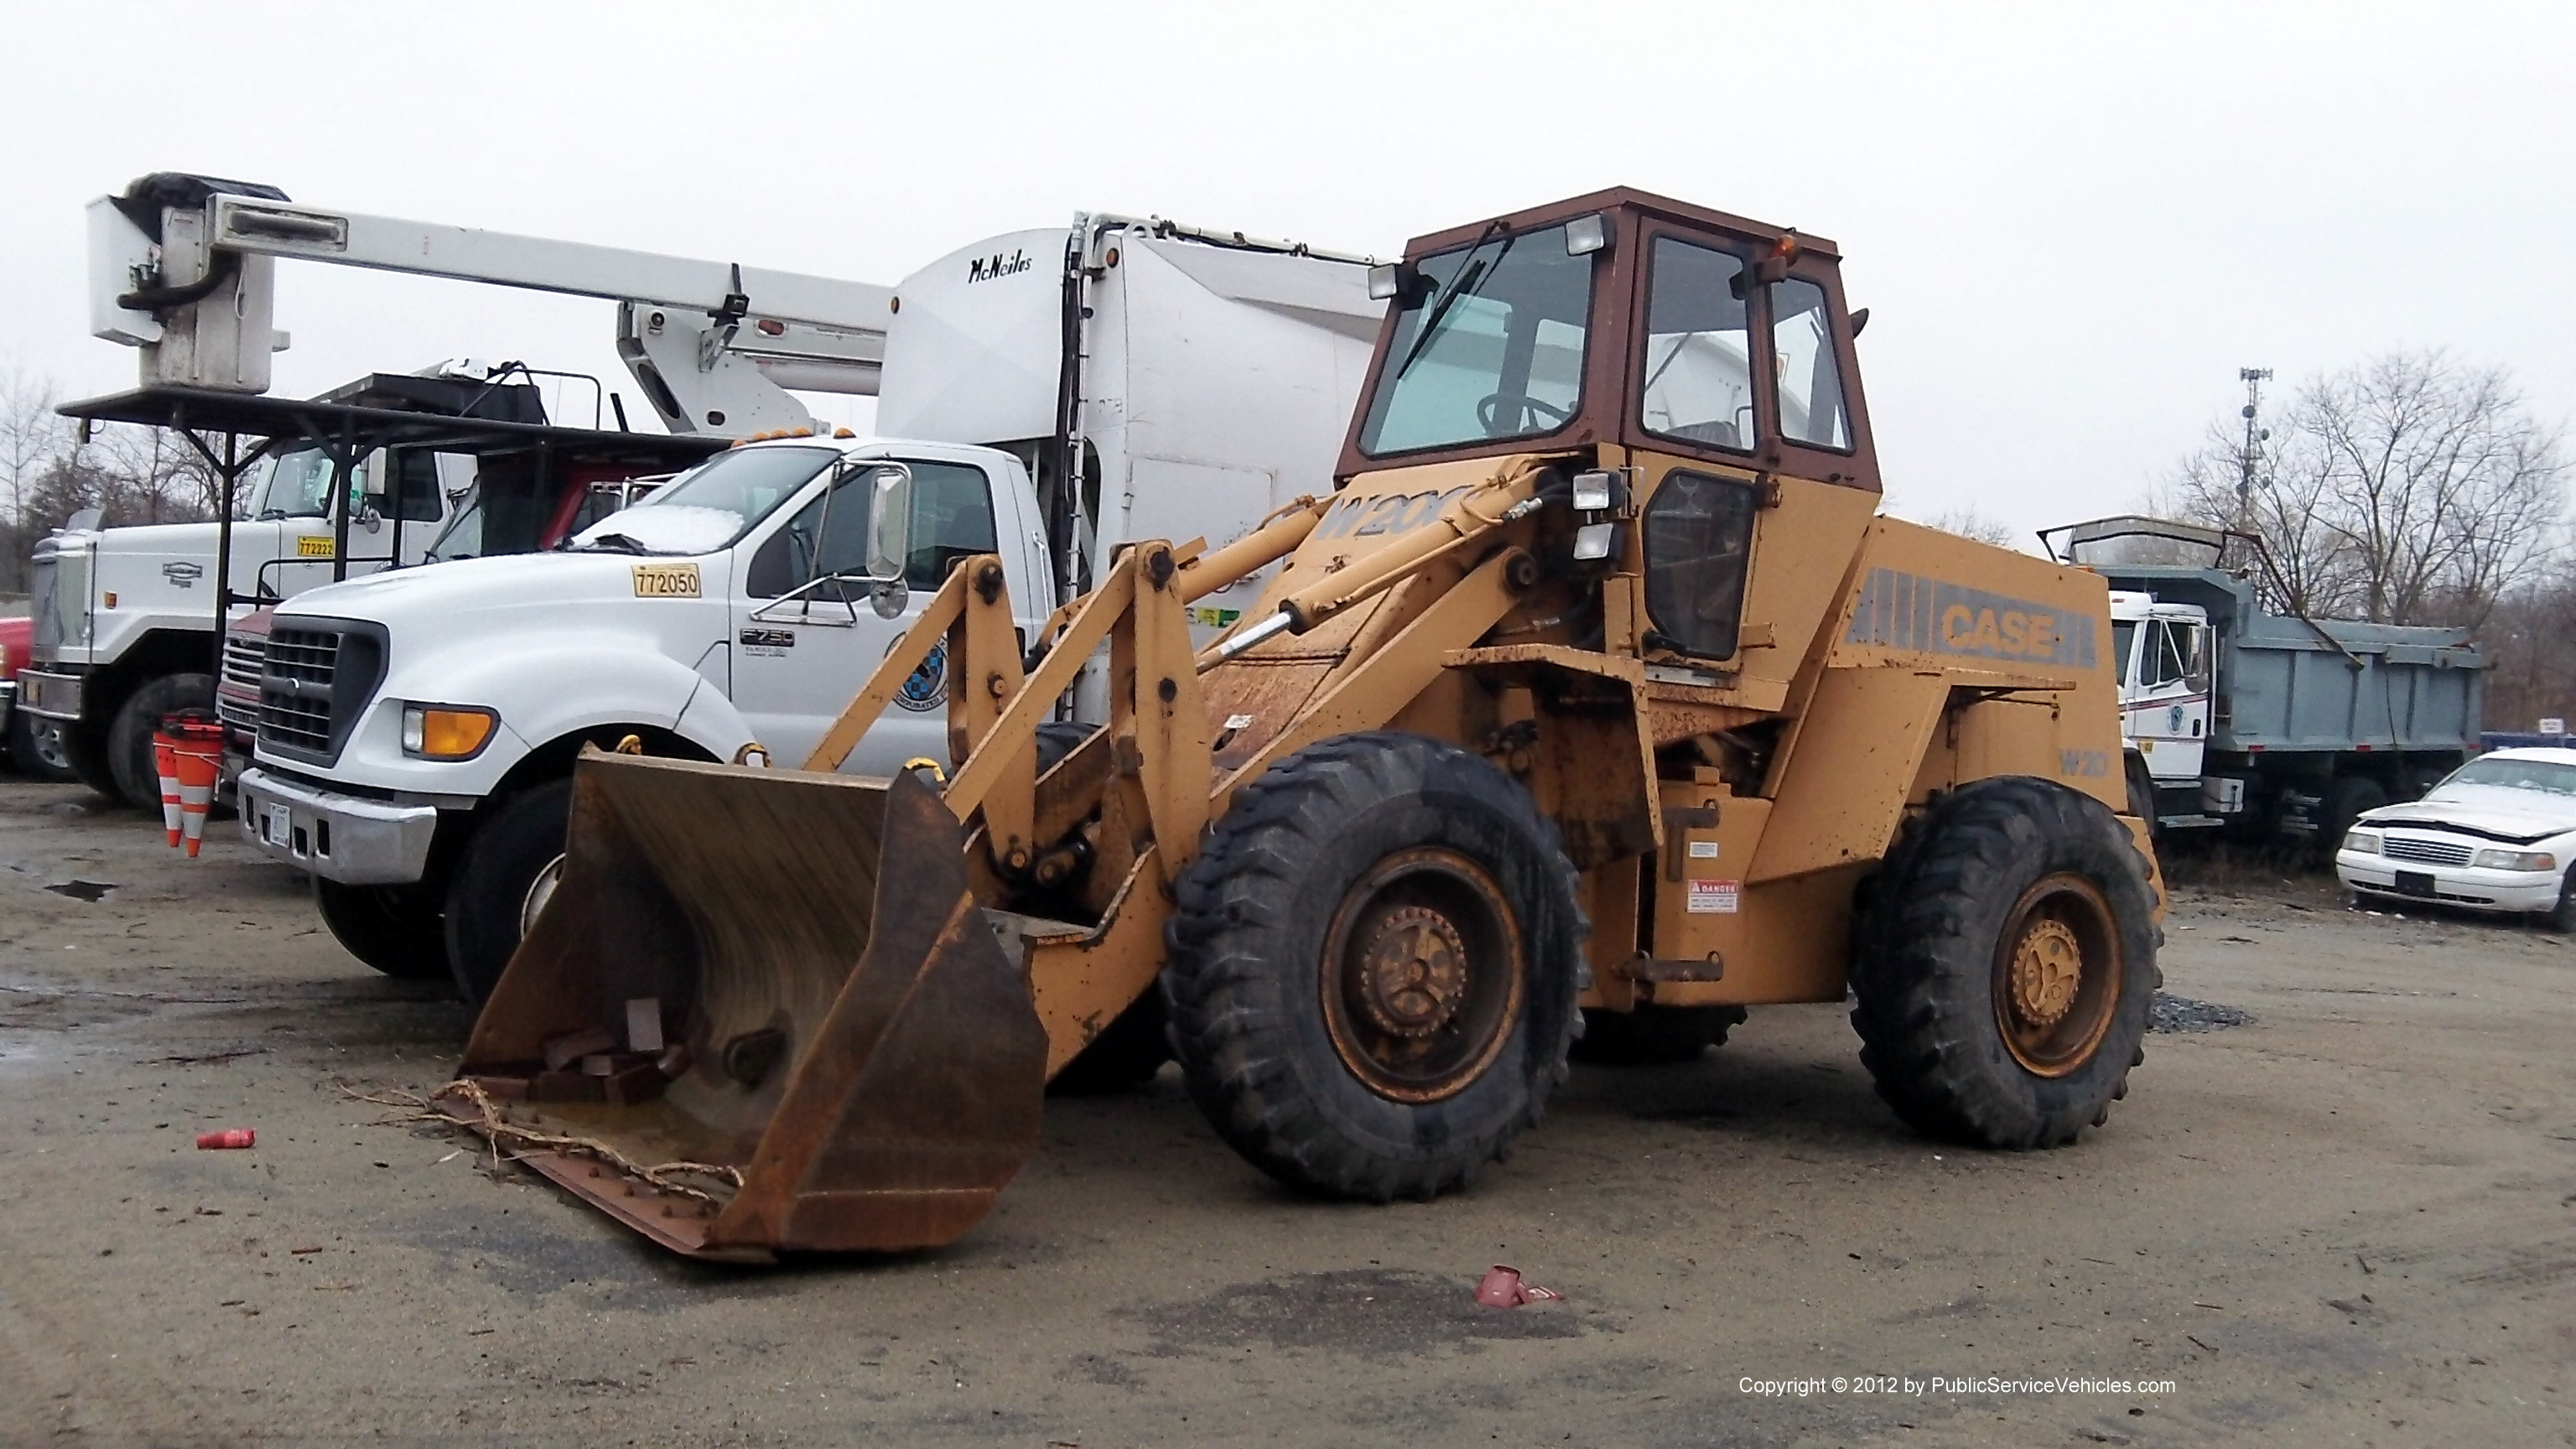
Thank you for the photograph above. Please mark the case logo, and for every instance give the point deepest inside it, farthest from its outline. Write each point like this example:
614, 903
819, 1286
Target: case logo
666, 581
1903, 611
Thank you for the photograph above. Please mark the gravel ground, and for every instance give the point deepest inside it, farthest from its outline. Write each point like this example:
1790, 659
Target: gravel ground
2351, 1214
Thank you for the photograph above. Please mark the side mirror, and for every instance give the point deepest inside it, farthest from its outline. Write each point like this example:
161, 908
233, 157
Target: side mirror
889, 537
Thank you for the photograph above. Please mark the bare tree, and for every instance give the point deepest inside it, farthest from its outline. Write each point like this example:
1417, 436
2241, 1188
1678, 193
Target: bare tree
2286, 507
32, 434
160, 477
2408, 489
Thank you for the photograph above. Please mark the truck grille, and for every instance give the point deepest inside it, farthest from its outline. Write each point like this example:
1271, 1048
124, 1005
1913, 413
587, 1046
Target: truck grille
2429, 852
40, 599
314, 682
245, 658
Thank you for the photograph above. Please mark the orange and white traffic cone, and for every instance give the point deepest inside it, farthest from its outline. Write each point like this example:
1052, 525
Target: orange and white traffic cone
199, 761
164, 750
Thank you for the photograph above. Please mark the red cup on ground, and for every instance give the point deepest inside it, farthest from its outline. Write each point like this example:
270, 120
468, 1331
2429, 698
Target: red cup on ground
229, 1137
1502, 1288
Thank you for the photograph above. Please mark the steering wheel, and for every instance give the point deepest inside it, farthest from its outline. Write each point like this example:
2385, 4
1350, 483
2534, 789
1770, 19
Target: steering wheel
1490, 408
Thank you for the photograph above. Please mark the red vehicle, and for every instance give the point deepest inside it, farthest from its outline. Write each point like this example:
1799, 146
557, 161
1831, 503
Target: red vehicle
29, 745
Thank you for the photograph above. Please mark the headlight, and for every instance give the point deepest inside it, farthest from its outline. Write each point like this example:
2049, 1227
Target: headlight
2514, 860
2362, 842
446, 731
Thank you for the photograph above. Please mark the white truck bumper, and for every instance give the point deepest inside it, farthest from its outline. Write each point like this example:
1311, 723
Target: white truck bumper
50, 696
346, 838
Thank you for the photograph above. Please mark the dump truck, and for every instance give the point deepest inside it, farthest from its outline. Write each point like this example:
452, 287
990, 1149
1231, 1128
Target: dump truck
1595, 698
2242, 714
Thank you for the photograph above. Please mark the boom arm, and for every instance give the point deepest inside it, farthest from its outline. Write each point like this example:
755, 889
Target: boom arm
182, 268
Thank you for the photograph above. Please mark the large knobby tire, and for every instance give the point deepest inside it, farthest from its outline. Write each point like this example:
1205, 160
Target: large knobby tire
129, 738
395, 929
2004, 964
1373, 967
508, 870
1653, 1036
37, 749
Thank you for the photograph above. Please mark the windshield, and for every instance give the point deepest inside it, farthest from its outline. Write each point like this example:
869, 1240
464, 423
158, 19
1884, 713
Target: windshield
463, 535
298, 485
2506, 773
1488, 344
712, 506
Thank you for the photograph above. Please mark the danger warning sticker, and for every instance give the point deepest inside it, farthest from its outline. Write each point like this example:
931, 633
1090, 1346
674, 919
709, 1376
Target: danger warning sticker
1715, 897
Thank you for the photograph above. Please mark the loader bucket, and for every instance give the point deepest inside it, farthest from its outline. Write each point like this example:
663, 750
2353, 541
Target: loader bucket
761, 1012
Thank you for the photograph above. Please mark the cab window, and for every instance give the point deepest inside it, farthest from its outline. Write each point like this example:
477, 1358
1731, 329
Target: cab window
416, 496
1811, 381
1698, 363
1699, 536
2124, 648
2165, 658
1488, 343
952, 518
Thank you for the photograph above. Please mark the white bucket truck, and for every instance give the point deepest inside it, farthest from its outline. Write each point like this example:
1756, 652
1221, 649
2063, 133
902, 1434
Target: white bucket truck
1046, 396
183, 269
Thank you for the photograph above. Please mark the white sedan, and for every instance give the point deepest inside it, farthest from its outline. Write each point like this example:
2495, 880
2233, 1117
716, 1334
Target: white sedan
2499, 834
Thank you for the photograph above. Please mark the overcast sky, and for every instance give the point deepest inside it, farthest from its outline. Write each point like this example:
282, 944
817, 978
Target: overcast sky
2072, 225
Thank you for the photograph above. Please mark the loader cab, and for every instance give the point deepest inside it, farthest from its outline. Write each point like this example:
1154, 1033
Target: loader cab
1706, 357
1618, 319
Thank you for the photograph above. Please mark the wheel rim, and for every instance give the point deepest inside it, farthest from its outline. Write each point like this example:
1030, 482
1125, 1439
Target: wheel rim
540, 891
49, 748
1422, 979
2057, 975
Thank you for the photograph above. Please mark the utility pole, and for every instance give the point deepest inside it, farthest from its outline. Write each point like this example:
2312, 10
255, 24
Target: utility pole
2249, 458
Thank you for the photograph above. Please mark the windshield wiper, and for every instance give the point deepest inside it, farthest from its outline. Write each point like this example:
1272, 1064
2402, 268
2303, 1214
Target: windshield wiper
615, 543
1470, 272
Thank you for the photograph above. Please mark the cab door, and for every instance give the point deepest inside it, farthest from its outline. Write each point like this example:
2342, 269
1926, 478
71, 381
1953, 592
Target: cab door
805, 639
2168, 709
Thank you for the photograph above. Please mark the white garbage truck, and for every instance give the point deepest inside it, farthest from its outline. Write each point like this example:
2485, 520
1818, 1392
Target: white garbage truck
1046, 395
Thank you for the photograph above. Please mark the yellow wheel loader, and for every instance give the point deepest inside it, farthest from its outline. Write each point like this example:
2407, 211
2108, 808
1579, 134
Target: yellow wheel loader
1598, 693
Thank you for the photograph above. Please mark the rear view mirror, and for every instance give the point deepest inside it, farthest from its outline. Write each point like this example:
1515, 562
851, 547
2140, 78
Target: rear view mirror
889, 521
889, 537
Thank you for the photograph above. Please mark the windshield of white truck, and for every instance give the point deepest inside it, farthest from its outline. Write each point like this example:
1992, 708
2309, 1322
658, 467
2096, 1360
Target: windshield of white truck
712, 506
298, 485
1488, 344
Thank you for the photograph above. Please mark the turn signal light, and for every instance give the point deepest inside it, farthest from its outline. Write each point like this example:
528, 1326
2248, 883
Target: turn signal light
446, 732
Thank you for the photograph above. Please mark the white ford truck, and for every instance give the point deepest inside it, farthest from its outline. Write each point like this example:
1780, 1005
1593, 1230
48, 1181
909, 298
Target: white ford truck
1049, 395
